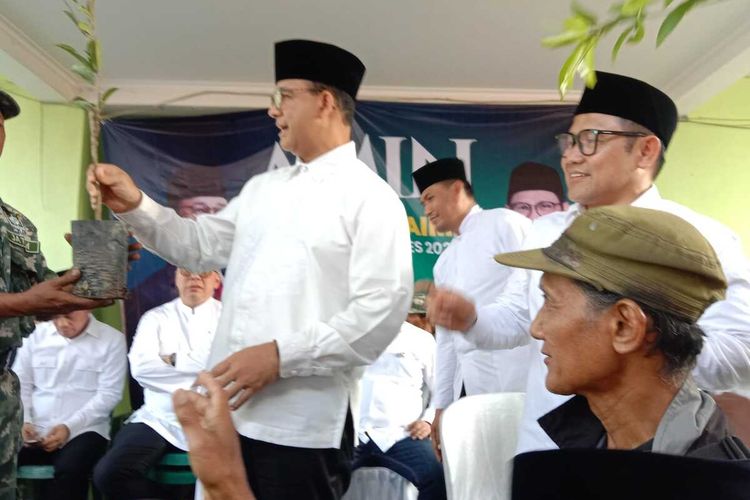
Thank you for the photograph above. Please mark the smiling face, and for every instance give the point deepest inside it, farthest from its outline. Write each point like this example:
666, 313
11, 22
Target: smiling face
576, 338
440, 202
534, 203
612, 175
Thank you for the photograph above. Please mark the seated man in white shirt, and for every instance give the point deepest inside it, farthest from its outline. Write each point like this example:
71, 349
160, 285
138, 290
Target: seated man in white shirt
72, 373
170, 347
395, 418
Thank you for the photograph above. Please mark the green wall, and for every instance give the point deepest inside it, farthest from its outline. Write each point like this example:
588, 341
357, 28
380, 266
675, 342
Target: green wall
41, 168
708, 167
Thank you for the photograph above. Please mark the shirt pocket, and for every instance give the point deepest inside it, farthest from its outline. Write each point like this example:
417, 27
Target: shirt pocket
86, 375
44, 368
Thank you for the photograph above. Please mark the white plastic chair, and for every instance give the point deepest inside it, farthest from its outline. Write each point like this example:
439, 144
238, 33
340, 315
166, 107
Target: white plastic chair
479, 435
379, 483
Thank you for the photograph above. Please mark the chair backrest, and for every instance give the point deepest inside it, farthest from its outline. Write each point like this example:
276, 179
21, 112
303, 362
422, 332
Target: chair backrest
35, 472
478, 435
173, 468
379, 483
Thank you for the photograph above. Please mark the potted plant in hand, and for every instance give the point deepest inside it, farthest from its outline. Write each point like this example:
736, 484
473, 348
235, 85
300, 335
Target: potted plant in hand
100, 247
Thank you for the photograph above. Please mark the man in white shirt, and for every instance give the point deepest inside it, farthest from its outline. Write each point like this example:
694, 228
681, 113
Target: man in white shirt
395, 410
72, 373
318, 278
467, 266
171, 346
613, 151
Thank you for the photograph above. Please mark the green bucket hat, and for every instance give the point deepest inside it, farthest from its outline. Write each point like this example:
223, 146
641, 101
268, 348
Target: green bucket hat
647, 255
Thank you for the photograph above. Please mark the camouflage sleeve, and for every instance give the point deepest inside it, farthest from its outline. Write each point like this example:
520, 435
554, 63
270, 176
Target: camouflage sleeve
22, 265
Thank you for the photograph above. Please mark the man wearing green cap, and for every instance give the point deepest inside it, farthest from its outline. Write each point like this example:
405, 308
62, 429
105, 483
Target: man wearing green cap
623, 289
27, 289
318, 277
613, 151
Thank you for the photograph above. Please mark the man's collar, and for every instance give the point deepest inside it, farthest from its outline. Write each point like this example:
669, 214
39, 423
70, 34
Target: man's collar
465, 224
187, 309
345, 152
645, 200
573, 425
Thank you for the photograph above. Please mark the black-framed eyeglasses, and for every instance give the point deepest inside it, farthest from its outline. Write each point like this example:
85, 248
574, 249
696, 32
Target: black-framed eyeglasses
187, 274
281, 93
588, 139
541, 208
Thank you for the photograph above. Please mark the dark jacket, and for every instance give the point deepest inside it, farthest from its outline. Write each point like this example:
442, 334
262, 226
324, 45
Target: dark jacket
692, 426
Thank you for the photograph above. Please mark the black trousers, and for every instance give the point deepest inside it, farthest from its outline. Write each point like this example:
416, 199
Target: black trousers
121, 473
73, 465
277, 472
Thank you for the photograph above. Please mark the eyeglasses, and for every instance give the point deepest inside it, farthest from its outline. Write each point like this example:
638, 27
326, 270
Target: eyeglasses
186, 274
541, 208
588, 139
281, 93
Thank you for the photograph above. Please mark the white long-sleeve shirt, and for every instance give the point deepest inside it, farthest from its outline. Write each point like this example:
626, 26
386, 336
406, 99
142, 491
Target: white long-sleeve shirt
76, 382
467, 265
723, 364
396, 389
171, 328
318, 259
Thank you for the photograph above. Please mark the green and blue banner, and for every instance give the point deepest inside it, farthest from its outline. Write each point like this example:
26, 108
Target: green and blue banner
216, 155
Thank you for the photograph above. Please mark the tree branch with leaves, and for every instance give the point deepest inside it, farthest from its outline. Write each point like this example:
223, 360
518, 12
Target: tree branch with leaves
88, 66
584, 30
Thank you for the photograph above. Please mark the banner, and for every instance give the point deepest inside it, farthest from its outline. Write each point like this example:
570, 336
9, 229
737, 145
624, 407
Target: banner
196, 164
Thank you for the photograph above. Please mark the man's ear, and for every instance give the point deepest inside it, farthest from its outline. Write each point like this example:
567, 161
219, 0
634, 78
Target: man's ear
648, 151
630, 327
327, 102
457, 187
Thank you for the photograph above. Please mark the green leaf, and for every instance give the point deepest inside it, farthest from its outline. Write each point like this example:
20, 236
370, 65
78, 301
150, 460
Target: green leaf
577, 23
639, 31
587, 67
673, 19
72, 17
568, 70
632, 7
579, 11
108, 94
83, 103
85, 11
667, 3
73, 52
85, 28
565, 38
93, 51
620, 40
84, 72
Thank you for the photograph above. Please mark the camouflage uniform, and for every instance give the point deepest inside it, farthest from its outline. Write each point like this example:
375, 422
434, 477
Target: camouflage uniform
21, 266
